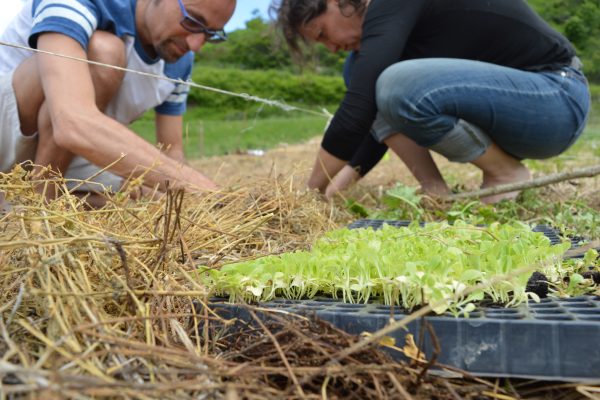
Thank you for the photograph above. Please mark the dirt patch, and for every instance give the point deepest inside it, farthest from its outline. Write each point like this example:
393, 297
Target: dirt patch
298, 159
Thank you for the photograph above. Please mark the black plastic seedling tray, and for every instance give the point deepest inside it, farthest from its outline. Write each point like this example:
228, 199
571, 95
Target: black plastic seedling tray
556, 339
551, 340
550, 232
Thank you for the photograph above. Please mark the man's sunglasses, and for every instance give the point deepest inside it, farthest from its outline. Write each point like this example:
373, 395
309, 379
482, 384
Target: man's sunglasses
192, 25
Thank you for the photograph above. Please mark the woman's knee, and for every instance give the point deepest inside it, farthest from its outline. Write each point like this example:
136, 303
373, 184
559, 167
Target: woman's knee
406, 101
400, 91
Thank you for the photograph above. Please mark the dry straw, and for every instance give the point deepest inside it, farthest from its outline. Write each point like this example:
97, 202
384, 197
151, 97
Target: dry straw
103, 303
102, 299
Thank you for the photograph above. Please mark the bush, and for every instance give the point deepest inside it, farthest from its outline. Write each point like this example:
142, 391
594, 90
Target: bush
579, 20
305, 89
595, 91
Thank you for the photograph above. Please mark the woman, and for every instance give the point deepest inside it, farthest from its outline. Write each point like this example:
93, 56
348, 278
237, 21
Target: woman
484, 82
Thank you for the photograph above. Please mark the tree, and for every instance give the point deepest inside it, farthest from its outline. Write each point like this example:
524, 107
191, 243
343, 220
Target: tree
260, 46
579, 20
254, 47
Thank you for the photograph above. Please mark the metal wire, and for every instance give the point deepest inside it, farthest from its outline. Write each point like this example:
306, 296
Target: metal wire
248, 97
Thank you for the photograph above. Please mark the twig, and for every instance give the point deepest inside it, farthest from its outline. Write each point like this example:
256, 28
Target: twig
436, 352
17, 304
405, 395
281, 354
579, 251
589, 391
451, 390
534, 183
377, 336
123, 257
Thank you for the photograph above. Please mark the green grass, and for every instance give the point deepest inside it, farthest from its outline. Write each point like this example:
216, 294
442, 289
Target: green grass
210, 131
207, 136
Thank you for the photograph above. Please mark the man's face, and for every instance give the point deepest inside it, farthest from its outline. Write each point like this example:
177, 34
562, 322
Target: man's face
169, 39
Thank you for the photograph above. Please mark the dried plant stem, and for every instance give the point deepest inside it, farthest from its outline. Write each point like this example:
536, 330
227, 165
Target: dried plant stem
405, 395
534, 183
281, 354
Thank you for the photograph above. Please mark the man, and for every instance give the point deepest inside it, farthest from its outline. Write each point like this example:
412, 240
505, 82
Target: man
59, 103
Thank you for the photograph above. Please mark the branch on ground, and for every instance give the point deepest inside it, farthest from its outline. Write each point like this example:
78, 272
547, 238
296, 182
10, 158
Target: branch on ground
534, 183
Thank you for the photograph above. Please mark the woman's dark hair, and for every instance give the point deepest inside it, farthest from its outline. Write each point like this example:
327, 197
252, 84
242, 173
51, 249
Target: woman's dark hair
292, 15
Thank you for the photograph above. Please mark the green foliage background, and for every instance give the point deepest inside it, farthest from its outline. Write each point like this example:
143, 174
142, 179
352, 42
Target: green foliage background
579, 20
256, 61
259, 46
308, 89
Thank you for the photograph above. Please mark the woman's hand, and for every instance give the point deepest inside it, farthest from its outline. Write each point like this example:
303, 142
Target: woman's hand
325, 169
343, 180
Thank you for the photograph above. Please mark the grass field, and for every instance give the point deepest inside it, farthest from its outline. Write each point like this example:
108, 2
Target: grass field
210, 132
205, 138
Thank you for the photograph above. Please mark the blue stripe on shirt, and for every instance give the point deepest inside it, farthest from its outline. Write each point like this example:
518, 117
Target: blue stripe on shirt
176, 102
78, 19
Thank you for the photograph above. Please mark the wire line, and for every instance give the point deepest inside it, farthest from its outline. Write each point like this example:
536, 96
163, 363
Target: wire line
248, 97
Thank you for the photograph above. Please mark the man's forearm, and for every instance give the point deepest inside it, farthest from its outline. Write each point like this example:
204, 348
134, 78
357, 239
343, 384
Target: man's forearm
177, 155
82, 129
138, 156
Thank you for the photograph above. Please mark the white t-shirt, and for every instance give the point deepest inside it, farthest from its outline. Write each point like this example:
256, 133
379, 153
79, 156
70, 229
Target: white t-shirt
78, 19
10, 8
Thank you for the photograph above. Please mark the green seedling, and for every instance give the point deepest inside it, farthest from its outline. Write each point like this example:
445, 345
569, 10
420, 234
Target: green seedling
410, 267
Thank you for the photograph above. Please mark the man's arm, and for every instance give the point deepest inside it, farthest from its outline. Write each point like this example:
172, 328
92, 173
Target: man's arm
81, 128
169, 135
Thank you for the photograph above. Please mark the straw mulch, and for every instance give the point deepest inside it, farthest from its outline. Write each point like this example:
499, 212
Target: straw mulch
98, 301
104, 303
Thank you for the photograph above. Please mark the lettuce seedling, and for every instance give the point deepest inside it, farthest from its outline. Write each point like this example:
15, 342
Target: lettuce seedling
409, 266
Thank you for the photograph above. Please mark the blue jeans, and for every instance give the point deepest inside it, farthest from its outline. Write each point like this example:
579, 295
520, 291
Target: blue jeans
459, 107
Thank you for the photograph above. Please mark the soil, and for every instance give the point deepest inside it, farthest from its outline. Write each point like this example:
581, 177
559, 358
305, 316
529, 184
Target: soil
296, 161
538, 284
594, 275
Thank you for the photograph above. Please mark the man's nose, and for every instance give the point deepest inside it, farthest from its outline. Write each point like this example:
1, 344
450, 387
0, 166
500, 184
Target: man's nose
196, 41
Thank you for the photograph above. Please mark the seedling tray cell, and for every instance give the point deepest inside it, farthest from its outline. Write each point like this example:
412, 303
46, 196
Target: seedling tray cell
555, 339
550, 232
